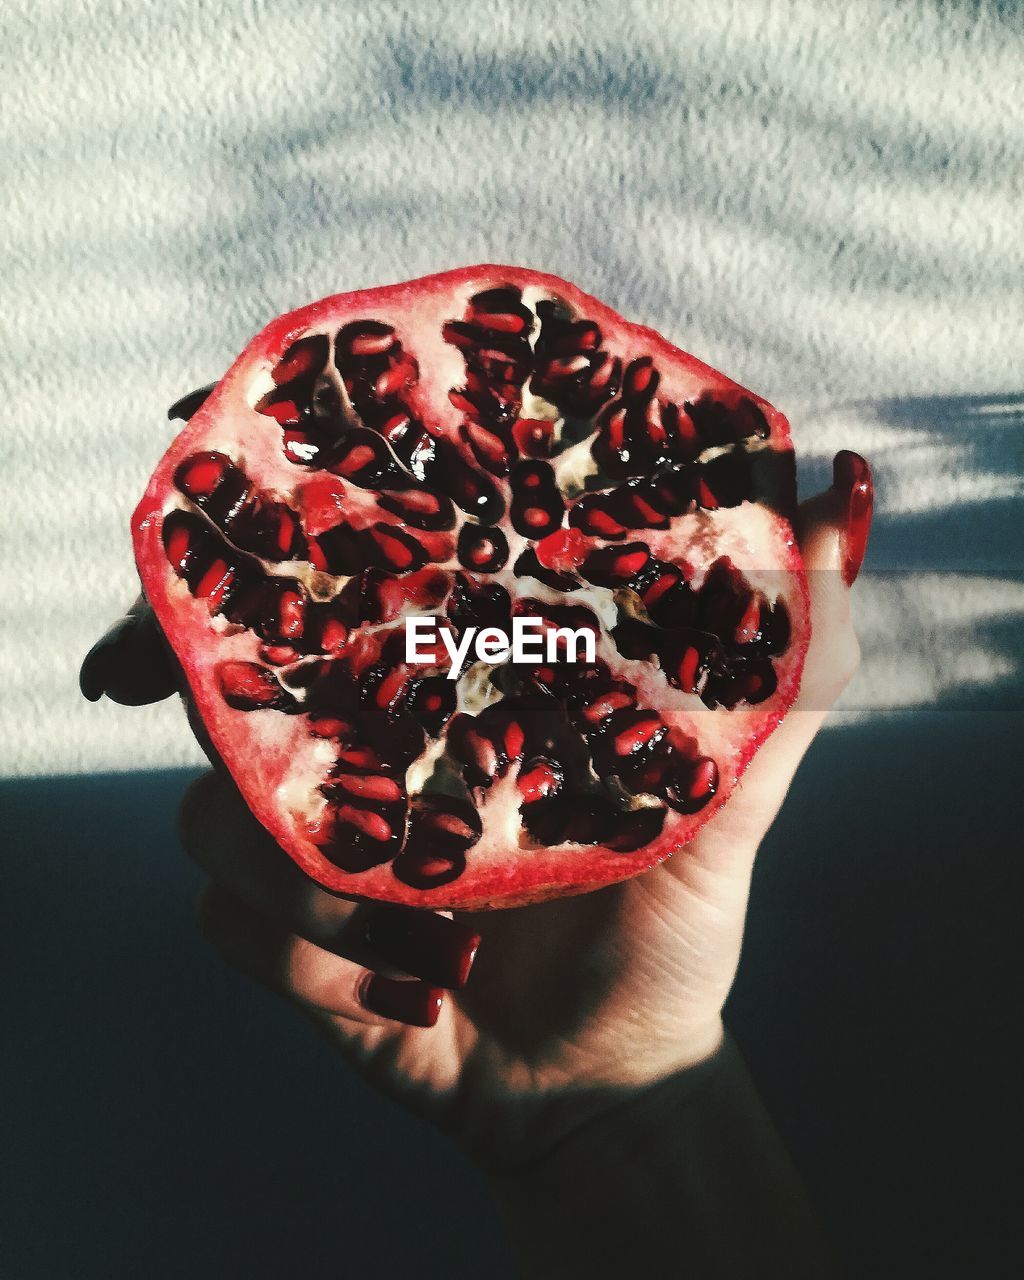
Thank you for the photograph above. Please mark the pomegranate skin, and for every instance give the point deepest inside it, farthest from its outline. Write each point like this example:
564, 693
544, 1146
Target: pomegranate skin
481, 383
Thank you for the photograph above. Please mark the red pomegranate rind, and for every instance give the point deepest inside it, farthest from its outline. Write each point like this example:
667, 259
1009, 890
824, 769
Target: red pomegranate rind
473, 446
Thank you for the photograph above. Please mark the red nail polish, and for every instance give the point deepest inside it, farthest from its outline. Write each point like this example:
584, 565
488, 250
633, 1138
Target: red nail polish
423, 944
851, 476
415, 1003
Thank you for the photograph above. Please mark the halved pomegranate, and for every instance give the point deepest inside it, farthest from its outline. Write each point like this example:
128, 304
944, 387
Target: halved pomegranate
476, 446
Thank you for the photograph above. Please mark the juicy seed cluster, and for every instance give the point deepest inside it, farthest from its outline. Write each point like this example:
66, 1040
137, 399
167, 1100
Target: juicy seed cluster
564, 454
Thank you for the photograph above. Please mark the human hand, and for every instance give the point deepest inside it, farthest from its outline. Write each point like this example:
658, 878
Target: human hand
571, 1002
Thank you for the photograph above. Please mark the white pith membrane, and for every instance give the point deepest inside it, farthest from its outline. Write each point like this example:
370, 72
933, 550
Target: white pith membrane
282, 767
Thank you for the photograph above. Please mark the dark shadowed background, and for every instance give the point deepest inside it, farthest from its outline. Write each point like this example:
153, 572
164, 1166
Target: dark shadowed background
823, 202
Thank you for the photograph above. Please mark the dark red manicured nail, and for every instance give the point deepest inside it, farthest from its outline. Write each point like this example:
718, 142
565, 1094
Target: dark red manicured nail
416, 1003
428, 946
95, 672
190, 404
851, 477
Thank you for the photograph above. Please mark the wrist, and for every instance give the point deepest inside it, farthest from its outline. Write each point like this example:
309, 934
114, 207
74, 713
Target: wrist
686, 1175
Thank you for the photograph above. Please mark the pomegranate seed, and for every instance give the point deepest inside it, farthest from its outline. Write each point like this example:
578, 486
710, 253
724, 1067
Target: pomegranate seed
215, 583
640, 380
748, 629
484, 550
303, 359
198, 476
539, 779
246, 686
537, 505
488, 448
278, 655
643, 728
396, 379
515, 739
390, 689
616, 566
178, 540
704, 783
328, 727
369, 786
366, 821
599, 711
400, 552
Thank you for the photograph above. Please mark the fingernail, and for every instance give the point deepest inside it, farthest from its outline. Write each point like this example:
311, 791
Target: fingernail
95, 670
426, 945
190, 404
415, 1003
851, 476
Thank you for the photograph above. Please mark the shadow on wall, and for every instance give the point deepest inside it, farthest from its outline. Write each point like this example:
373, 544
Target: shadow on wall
165, 1119
960, 463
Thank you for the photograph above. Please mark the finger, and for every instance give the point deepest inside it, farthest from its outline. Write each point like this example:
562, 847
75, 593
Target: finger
833, 529
291, 965
221, 834
131, 662
833, 532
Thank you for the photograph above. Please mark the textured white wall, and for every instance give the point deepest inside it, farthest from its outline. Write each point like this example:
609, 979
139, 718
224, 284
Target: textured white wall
824, 200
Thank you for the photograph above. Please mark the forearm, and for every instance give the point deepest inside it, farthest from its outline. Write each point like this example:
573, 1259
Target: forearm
686, 1179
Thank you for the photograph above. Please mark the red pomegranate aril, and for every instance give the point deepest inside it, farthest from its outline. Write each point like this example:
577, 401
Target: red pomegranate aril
480, 756
539, 779
672, 604
338, 550
500, 309
616, 566
247, 686
606, 704
469, 488
304, 359
189, 544
748, 629
366, 338
441, 829
396, 378
655, 584
534, 437
328, 727
592, 516
718, 421
488, 448
368, 786
698, 782
537, 506
368, 823
215, 583
482, 549
282, 613
396, 550
199, 475
364, 457
423, 868
635, 508
633, 730
514, 740
278, 655
432, 701
388, 687
640, 380
686, 673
